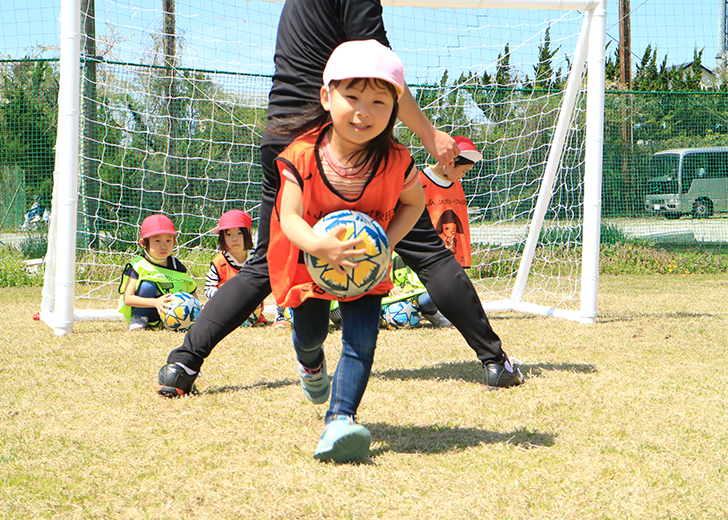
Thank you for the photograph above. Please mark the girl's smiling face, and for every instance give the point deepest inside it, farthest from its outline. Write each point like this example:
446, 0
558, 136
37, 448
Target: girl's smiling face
360, 111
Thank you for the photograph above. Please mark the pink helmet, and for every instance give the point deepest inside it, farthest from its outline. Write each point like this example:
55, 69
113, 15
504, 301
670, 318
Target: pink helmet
234, 218
157, 225
467, 149
365, 59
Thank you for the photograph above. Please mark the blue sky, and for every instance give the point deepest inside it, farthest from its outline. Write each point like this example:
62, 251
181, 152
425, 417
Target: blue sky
675, 27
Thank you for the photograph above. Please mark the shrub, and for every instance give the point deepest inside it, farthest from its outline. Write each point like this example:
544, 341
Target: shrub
14, 272
34, 245
632, 258
612, 234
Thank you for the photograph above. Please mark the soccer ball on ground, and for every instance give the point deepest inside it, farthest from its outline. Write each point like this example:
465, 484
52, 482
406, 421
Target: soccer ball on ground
182, 311
254, 318
373, 265
288, 316
403, 314
335, 314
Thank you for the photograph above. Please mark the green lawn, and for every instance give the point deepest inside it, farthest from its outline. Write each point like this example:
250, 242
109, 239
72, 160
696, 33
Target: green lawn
622, 419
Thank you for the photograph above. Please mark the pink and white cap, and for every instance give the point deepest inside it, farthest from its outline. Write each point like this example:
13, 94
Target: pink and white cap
365, 59
467, 149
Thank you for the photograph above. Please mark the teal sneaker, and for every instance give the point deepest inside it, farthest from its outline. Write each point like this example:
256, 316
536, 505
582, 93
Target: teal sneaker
315, 383
343, 441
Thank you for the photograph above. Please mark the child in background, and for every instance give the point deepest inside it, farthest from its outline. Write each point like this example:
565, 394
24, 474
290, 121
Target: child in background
406, 285
148, 282
233, 242
446, 200
347, 159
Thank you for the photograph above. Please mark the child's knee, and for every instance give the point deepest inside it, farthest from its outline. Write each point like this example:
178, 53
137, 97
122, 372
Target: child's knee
147, 290
426, 304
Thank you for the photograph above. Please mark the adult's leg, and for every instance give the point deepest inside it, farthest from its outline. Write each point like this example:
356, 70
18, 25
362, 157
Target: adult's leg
450, 288
241, 295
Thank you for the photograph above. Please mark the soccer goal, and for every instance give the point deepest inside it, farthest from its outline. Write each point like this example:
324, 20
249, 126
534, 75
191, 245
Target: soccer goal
161, 106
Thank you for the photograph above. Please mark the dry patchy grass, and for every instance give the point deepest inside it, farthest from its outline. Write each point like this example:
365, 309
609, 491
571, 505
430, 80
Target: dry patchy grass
622, 419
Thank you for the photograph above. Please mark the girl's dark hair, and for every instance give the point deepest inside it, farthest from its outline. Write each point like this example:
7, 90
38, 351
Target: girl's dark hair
460, 161
314, 116
449, 217
247, 239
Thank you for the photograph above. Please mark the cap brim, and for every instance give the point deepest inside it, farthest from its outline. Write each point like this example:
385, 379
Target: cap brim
471, 155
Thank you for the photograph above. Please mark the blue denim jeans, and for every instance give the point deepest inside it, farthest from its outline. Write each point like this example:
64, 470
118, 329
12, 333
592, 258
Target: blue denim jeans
426, 304
147, 290
359, 330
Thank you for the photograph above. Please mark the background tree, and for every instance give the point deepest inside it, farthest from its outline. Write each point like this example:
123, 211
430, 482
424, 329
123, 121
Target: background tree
545, 77
28, 124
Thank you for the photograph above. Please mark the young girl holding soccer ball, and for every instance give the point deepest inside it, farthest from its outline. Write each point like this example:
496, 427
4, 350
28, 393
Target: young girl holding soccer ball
346, 159
148, 281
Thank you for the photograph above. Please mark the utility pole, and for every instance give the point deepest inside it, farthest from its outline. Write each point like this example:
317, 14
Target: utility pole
723, 34
172, 101
625, 74
91, 180
625, 44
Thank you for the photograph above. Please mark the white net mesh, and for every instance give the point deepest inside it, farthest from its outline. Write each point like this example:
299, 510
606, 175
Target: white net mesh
172, 110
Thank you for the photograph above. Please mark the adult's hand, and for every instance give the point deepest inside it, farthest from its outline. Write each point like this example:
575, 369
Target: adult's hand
441, 146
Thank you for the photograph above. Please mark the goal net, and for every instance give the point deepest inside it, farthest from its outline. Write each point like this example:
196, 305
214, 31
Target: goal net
161, 110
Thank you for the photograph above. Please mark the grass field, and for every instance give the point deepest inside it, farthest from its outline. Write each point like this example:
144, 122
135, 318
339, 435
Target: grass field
623, 419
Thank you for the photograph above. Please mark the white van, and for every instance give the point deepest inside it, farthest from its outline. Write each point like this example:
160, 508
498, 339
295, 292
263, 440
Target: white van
688, 181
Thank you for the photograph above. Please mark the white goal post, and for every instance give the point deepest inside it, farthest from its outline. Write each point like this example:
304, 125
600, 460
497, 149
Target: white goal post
162, 111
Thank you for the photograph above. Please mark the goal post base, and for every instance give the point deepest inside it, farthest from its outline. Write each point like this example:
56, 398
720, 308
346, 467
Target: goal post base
61, 328
538, 310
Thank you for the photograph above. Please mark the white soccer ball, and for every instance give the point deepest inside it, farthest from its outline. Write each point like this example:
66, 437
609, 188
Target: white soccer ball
335, 314
288, 316
254, 318
403, 314
182, 311
373, 266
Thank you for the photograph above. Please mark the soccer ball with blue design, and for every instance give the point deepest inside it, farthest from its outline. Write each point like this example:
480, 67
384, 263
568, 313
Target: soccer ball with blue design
288, 316
254, 318
182, 311
403, 314
373, 265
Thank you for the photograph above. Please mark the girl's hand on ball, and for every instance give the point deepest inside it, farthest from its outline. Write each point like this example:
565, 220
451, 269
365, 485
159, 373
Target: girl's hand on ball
162, 303
338, 253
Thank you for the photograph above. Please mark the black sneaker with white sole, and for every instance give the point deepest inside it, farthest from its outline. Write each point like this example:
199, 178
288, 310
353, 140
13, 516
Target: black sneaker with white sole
175, 382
